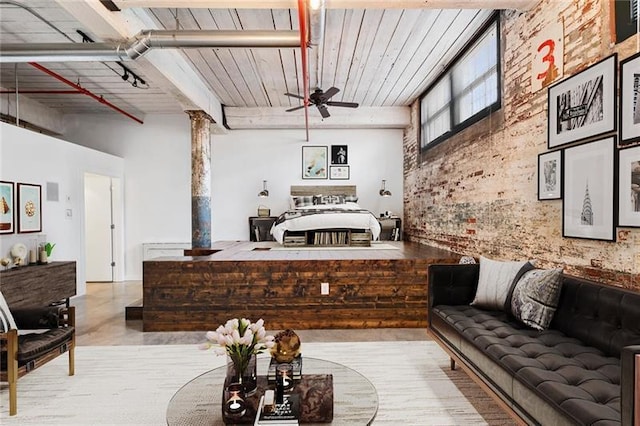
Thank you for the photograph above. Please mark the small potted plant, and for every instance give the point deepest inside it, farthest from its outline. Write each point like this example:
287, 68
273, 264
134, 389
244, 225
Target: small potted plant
45, 252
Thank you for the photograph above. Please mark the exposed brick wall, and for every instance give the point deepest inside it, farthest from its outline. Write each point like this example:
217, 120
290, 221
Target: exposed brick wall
476, 194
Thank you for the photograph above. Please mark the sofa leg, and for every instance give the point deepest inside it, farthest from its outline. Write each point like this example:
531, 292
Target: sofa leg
452, 363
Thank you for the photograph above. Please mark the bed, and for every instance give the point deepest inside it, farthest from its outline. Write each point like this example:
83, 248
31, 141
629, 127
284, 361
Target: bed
325, 215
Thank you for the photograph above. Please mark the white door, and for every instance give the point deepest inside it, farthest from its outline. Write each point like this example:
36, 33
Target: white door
98, 227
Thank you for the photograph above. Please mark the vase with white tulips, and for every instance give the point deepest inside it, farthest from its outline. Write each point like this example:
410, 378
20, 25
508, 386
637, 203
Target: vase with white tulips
241, 340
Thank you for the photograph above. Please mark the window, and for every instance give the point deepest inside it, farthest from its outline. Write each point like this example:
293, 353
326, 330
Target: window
468, 90
626, 17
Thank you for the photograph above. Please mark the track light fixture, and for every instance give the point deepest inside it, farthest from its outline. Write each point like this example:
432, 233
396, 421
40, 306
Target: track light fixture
125, 76
265, 192
384, 192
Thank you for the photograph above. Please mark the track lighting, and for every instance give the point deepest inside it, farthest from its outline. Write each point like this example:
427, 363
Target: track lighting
125, 76
384, 192
265, 192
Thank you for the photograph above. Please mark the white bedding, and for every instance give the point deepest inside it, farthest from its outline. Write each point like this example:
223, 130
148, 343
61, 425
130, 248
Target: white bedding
336, 216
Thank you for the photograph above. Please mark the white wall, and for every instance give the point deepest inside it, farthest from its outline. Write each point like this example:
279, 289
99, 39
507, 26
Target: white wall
30, 157
157, 166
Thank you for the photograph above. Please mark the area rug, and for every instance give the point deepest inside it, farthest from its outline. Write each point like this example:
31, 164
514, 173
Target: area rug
132, 385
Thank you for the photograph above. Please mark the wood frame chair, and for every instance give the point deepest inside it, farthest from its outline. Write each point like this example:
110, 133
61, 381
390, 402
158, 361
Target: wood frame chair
26, 352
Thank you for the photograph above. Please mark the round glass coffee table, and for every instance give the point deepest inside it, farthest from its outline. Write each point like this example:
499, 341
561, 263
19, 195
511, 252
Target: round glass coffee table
199, 402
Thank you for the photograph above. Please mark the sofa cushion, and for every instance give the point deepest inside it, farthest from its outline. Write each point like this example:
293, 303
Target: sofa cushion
581, 380
535, 297
6, 319
494, 282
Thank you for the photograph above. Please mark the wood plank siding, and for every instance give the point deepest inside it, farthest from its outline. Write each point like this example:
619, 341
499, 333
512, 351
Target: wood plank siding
368, 288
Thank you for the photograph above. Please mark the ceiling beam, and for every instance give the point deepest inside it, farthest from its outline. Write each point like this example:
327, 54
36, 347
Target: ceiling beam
341, 118
167, 69
521, 5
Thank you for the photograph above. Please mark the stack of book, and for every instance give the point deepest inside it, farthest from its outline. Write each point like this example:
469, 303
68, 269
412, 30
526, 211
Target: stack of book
272, 414
296, 364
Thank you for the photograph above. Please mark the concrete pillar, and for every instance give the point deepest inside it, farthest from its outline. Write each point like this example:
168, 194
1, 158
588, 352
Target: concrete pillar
200, 179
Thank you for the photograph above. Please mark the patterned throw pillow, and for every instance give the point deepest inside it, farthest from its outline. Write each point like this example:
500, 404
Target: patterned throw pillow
304, 201
328, 199
6, 319
494, 281
536, 296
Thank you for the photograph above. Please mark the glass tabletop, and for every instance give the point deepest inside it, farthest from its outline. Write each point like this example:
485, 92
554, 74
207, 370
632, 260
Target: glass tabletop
199, 402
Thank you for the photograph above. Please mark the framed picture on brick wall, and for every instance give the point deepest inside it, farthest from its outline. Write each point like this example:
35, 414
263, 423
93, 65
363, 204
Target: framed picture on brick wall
588, 190
629, 187
550, 175
630, 100
583, 106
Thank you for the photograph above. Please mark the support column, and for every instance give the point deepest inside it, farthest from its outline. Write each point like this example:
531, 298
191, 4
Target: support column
200, 179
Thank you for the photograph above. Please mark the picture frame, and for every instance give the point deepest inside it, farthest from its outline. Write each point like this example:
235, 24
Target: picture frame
629, 187
550, 175
630, 100
588, 205
339, 172
583, 106
7, 207
314, 162
29, 208
339, 154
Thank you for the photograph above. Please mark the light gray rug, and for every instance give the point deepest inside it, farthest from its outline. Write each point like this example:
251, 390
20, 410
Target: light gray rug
132, 385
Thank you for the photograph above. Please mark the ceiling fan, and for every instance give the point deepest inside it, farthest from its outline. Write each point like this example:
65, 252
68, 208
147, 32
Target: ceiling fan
321, 99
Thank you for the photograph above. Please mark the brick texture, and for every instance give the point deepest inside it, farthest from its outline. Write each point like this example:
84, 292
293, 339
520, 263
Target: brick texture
476, 193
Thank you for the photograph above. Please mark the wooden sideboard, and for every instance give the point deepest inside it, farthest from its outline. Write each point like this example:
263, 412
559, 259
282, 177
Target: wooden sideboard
38, 285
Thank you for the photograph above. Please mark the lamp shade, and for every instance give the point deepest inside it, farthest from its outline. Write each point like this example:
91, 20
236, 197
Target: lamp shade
265, 192
384, 192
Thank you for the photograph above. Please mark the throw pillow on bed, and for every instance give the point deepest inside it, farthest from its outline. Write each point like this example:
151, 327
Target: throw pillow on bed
536, 296
494, 282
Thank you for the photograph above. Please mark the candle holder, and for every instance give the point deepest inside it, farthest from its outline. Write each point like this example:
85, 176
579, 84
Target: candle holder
284, 375
234, 400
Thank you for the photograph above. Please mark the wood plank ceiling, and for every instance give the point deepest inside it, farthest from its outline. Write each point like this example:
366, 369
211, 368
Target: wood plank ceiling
377, 57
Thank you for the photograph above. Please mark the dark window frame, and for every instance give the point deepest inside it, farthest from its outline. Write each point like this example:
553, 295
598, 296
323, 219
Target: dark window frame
494, 20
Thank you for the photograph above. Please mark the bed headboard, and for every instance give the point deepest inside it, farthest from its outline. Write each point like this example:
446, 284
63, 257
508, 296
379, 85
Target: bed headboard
302, 190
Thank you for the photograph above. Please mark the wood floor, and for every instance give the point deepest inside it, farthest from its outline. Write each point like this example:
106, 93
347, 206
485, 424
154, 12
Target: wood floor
100, 319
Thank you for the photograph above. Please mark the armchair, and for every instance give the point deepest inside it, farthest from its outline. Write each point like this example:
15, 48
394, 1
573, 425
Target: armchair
44, 334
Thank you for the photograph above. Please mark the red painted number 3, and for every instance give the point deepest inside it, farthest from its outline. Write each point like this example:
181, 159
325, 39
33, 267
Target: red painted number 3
549, 58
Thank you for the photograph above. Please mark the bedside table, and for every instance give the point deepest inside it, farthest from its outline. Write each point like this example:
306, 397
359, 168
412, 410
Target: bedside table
259, 227
391, 228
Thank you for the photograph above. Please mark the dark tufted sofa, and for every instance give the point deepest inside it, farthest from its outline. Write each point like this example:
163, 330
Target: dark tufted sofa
579, 371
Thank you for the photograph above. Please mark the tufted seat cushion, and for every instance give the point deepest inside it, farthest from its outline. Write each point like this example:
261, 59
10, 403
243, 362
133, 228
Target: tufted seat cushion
32, 345
580, 379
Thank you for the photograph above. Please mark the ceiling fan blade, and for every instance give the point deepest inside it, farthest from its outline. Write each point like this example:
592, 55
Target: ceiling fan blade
294, 95
343, 104
331, 91
324, 112
295, 108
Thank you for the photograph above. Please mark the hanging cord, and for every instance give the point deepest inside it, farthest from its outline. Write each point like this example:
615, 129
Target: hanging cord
15, 68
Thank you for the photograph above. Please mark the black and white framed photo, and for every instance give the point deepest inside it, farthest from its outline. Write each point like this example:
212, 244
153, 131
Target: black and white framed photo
588, 204
314, 162
7, 208
629, 187
339, 172
29, 208
630, 100
550, 175
339, 154
583, 105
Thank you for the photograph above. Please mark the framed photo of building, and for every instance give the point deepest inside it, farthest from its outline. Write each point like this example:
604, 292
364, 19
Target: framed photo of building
584, 105
29, 208
7, 208
629, 187
550, 175
588, 189
339, 172
314, 162
630, 100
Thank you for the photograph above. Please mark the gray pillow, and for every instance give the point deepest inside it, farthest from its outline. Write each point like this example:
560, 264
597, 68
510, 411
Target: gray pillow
535, 297
494, 282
